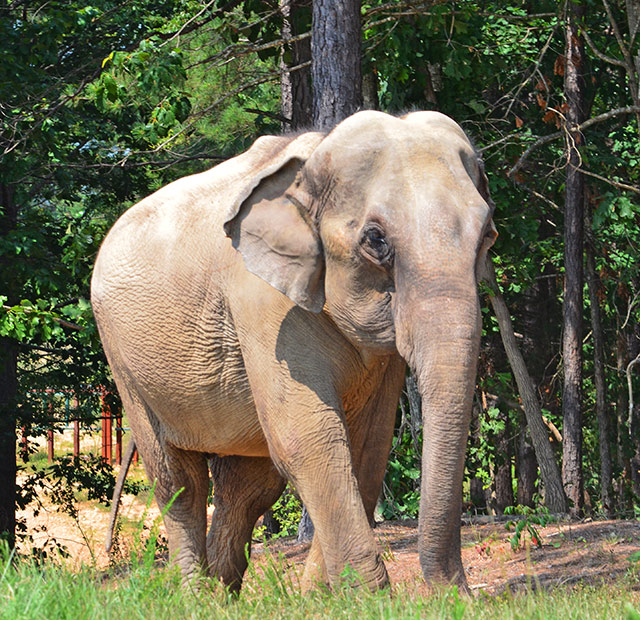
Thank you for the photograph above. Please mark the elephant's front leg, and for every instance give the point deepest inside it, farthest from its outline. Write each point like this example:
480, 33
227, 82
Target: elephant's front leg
370, 437
308, 442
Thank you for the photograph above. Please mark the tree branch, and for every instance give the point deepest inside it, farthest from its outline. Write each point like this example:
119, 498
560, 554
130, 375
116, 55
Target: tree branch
578, 128
618, 184
58, 320
630, 366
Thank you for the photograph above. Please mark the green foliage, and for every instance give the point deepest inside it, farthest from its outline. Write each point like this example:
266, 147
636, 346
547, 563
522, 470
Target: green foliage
401, 487
145, 86
287, 512
526, 524
69, 476
402, 482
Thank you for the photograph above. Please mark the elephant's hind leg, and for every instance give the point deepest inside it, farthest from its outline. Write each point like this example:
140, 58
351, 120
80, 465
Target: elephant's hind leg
179, 475
243, 489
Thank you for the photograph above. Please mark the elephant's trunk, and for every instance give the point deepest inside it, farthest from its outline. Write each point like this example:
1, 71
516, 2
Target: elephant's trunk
442, 348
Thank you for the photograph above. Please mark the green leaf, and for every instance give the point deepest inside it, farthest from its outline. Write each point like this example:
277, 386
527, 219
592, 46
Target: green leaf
110, 86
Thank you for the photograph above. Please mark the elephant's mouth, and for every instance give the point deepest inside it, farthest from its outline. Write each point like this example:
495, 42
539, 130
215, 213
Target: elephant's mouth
367, 324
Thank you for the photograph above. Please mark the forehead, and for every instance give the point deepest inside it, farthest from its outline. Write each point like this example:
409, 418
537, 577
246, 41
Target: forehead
369, 143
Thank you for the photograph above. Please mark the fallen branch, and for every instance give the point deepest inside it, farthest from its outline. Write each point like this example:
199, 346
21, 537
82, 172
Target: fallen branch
555, 497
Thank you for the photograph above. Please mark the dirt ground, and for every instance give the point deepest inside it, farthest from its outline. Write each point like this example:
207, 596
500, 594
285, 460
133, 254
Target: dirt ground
590, 552
587, 552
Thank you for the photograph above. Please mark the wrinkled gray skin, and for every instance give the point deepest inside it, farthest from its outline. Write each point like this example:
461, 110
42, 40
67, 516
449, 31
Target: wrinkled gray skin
260, 315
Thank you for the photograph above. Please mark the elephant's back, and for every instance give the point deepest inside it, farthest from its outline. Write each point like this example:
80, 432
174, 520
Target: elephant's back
160, 293
159, 301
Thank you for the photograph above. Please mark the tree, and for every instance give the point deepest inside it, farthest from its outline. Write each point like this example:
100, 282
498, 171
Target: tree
296, 94
336, 61
337, 89
606, 470
574, 70
555, 498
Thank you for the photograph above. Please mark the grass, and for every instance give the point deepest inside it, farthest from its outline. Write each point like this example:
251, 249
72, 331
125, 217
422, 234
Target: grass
142, 590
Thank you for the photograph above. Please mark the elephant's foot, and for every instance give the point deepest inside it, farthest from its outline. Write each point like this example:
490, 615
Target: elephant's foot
315, 572
451, 575
372, 575
229, 571
377, 579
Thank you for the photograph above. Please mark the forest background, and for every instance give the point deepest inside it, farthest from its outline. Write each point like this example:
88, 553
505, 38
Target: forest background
102, 103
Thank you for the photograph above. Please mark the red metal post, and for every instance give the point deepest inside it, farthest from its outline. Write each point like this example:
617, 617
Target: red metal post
76, 432
109, 433
118, 440
50, 435
76, 438
107, 430
50, 445
103, 453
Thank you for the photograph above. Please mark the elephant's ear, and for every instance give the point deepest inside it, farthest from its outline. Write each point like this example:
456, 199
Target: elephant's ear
273, 231
483, 183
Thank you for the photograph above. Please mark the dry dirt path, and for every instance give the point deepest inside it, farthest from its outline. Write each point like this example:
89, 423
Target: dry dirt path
589, 552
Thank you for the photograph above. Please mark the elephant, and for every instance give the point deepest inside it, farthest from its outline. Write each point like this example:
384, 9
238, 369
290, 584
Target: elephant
259, 317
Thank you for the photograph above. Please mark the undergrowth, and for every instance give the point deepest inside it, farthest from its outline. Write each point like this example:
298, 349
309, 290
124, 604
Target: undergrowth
141, 589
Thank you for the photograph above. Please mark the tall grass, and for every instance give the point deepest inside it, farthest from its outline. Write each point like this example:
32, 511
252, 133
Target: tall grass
142, 590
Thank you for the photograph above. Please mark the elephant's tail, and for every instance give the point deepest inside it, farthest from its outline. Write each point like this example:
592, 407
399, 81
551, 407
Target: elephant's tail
117, 492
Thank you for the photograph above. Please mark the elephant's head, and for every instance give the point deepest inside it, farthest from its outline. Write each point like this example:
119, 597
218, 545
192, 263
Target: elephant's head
383, 226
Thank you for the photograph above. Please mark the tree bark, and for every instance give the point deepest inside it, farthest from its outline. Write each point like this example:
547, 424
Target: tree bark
336, 61
306, 529
602, 413
295, 85
8, 384
527, 469
503, 479
534, 320
555, 498
574, 88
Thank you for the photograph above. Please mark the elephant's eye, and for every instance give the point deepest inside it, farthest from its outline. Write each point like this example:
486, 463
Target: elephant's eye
375, 245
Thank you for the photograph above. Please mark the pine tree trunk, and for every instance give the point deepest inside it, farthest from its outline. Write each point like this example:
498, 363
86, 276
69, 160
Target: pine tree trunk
634, 409
623, 500
296, 85
602, 413
337, 88
336, 61
534, 348
572, 475
306, 529
8, 389
503, 479
527, 469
